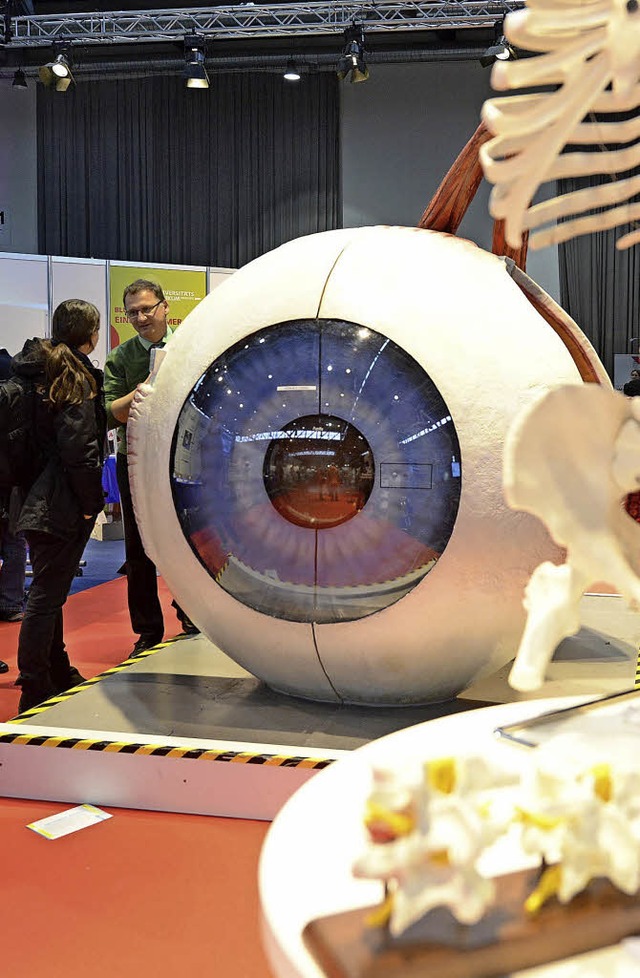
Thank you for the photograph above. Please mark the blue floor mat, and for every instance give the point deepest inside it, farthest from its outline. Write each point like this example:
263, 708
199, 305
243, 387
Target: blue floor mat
101, 562
102, 558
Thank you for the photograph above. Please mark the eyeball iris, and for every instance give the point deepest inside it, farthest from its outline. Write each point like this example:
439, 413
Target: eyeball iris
316, 471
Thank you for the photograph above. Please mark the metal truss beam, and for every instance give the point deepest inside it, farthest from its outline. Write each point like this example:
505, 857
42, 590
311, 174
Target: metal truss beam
254, 21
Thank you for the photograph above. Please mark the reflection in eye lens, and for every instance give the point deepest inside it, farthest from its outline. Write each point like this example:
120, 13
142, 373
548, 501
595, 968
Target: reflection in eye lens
320, 474
316, 471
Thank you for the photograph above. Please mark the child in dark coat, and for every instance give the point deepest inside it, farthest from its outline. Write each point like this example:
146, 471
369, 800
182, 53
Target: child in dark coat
60, 508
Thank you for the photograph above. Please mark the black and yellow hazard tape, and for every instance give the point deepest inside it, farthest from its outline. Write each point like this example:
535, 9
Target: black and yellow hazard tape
637, 680
155, 750
164, 750
217, 577
41, 708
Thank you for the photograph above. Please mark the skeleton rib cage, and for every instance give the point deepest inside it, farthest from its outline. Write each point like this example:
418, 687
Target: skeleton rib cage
591, 53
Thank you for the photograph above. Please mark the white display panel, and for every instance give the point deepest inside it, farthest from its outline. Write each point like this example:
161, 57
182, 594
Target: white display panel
216, 276
83, 278
24, 299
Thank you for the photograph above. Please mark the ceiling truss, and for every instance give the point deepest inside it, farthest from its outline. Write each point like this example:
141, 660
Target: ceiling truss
251, 21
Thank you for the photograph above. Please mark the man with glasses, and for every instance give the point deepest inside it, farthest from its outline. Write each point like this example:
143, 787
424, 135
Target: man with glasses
126, 367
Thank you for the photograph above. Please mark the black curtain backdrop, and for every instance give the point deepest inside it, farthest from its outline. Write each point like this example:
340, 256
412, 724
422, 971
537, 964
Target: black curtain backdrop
599, 284
148, 170
600, 288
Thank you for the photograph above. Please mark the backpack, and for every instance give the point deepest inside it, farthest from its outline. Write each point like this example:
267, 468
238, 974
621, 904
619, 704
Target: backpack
19, 454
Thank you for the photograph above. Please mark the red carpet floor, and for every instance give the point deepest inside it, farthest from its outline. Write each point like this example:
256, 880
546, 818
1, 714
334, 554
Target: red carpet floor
97, 633
144, 893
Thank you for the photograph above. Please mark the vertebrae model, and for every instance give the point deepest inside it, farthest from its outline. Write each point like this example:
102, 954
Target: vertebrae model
426, 830
591, 62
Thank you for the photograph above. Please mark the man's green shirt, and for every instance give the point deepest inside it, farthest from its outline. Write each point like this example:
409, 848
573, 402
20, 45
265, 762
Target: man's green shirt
125, 367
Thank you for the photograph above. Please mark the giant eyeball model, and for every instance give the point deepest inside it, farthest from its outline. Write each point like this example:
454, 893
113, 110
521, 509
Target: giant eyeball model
316, 468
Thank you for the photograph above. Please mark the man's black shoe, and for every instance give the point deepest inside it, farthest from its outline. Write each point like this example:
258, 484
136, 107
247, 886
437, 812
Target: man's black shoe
29, 700
188, 628
75, 678
144, 643
69, 681
3, 667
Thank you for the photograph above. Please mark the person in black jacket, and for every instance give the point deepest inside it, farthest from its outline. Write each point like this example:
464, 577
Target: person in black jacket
13, 547
632, 387
61, 506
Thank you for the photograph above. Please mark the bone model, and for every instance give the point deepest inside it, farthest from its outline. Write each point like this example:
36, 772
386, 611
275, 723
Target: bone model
426, 834
591, 54
575, 815
571, 459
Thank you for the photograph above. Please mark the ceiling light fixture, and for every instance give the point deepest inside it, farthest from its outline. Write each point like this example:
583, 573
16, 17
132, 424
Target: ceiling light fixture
195, 73
57, 73
19, 79
291, 74
351, 63
499, 50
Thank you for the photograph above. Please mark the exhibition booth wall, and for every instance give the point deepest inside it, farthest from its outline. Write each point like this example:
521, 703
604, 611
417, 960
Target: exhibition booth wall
31, 286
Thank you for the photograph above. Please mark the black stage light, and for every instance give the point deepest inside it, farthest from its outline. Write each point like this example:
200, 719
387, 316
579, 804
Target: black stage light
195, 73
291, 73
57, 73
352, 64
19, 79
499, 50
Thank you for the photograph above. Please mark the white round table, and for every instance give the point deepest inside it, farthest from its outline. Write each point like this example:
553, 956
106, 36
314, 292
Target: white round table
306, 860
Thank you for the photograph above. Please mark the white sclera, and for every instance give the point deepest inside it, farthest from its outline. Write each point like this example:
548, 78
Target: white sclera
458, 313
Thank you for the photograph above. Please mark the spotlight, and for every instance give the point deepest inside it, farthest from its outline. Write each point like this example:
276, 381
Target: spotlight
500, 50
194, 73
57, 73
291, 74
19, 79
60, 67
351, 63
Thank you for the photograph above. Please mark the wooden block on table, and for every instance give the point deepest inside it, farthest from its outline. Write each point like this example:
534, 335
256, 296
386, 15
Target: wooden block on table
507, 939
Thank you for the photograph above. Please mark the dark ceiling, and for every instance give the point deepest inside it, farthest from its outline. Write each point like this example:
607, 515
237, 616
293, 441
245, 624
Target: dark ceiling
314, 53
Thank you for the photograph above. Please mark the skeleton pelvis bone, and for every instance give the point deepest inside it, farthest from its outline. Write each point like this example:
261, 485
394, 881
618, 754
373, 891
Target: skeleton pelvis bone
571, 459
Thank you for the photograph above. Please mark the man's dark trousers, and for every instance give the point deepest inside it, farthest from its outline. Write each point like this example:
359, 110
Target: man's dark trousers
145, 609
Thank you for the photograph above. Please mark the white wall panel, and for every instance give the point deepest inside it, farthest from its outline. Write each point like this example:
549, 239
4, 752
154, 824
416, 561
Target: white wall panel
24, 299
83, 278
217, 276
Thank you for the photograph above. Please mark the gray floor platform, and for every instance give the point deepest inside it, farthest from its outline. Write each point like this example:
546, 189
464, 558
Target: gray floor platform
190, 689
140, 735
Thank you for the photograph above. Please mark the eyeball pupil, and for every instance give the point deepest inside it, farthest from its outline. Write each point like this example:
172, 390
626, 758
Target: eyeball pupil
321, 474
